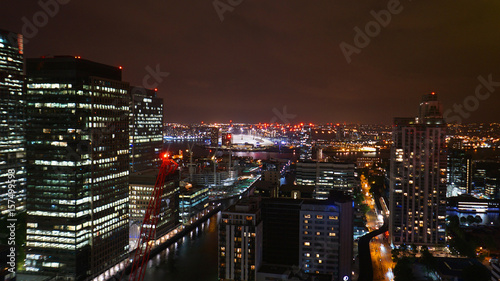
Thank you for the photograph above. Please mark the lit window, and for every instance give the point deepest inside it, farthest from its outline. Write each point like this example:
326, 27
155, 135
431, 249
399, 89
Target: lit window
319, 217
332, 234
307, 216
333, 217
307, 243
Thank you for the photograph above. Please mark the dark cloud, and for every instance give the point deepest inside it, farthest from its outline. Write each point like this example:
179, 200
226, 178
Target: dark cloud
271, 54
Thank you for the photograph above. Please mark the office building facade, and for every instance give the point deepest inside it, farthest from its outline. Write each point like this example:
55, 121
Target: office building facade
192, 200
418, 177
141, 187
326, 176
12, 138
146, 129
459, 172
77, 137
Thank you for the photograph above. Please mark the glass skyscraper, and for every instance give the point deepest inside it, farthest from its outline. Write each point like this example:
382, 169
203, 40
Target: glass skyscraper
12, 142
77, 135
146, 129
326, 176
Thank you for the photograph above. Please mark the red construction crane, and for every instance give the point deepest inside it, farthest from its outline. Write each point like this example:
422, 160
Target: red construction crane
148, 227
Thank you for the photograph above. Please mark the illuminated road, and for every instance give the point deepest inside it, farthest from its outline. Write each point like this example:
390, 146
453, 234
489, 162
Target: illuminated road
380, 250
381, 259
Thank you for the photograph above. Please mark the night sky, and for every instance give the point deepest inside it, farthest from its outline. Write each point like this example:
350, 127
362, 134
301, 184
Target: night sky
268, 55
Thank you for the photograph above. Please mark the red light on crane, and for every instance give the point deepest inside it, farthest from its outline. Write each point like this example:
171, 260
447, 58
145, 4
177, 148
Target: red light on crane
120, 67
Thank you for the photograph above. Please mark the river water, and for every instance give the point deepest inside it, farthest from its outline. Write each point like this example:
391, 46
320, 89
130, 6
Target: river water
193, 259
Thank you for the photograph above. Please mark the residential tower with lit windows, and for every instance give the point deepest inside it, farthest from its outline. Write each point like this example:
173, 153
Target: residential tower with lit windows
240, 240
326, 236
418, 177
77, 135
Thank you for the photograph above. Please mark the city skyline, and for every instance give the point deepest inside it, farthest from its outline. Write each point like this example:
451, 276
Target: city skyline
249, 140
214, 70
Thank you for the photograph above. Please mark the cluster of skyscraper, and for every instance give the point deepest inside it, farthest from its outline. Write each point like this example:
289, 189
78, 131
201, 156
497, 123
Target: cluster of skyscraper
73, 131
84, 147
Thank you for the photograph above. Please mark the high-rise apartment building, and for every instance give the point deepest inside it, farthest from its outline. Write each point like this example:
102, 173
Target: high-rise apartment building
146, 129
418, 177
240, 240
77, 134
12, 139
326, 176
326, 237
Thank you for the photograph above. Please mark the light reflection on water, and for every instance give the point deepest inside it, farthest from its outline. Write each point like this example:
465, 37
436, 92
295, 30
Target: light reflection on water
193, 259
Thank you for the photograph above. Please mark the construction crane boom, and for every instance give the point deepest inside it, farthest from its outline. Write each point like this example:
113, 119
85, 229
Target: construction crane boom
148, 227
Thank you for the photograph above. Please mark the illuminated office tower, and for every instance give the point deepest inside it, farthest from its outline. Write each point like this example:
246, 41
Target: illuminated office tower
146, 129
326, 176
240, 240
12, 142
192, 200
418, 177
141, 188
77, 137
459, 172
486, 179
